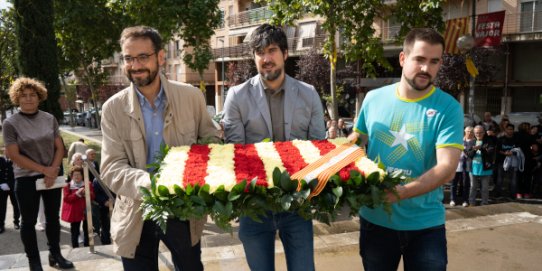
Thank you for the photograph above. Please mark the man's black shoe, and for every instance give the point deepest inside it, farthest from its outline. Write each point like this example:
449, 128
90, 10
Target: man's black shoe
2, 229
16, 226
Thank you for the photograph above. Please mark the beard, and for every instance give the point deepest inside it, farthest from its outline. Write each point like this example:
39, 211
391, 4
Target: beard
144, 81
418, 86
270, 75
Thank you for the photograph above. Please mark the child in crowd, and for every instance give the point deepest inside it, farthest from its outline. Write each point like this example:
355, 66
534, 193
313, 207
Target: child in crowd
73, 207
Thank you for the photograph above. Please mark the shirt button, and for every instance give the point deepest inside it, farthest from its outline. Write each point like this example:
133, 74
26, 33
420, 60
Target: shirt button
155, 133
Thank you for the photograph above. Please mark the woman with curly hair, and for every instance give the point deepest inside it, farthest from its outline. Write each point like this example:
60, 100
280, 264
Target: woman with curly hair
33, 142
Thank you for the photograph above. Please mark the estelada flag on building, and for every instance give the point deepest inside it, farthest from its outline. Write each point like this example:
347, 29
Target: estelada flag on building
455, 28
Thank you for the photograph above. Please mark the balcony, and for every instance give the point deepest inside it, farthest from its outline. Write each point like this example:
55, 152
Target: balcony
296, 46
250, 17
522, 22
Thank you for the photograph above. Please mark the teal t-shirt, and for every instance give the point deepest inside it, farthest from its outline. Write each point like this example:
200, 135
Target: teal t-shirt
478, 165
405, 134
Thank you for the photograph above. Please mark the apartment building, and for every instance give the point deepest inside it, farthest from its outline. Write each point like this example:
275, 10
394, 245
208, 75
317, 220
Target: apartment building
517, 85
230, 40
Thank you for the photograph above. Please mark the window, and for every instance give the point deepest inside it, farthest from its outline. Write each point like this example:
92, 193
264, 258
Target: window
222, 18
307, 33
531, 16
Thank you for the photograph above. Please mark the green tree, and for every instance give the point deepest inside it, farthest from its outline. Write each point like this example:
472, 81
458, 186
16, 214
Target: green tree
8, 60
87, 33
353, 19
37, 52
193, 21
411, 14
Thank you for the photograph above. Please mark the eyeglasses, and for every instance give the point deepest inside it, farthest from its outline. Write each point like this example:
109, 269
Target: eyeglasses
141, 59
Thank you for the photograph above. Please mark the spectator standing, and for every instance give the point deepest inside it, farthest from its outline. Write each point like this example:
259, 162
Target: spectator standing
504, 149
34, 144
331, 133
481, 158
7, 185
524, 140
488, 122
468, 142
78, 146
502, 125
74, 206
342, 131
460, 185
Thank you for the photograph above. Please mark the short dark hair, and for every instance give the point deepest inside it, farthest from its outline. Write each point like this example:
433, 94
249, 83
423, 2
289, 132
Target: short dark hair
266, 35
511, 125
428, 35
142, 31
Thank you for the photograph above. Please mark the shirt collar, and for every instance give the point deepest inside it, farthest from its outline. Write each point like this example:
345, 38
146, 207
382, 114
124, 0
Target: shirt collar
272, 91
157, 102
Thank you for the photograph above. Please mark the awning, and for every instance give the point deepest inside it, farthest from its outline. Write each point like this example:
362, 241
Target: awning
241, 31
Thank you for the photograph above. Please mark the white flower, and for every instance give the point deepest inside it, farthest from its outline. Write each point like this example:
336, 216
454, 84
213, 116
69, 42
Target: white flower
367, 166
220, 167
308, 151
172, 167
270, 158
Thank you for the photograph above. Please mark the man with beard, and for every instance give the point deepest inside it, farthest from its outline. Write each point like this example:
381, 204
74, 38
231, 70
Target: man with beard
415, 127
135, 122
273, 105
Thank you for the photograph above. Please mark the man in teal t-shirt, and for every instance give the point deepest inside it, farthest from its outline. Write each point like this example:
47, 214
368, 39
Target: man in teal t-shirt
417, 128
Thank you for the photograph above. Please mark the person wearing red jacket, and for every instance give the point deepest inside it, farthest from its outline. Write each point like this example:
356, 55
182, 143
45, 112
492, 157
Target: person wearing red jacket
74, 205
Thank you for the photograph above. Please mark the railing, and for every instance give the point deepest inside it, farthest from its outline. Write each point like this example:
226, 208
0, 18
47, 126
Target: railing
522, 22
250, 17
294, 46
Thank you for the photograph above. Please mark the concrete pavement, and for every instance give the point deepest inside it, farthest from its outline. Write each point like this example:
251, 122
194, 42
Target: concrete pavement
503, 236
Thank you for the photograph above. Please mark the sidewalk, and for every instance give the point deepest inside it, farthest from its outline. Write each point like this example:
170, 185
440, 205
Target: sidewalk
493, 237
94, 135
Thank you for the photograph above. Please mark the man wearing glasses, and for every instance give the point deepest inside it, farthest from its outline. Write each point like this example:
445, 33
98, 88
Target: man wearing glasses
135, 122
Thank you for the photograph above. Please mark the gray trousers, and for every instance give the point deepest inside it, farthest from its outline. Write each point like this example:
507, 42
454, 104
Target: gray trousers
474, 180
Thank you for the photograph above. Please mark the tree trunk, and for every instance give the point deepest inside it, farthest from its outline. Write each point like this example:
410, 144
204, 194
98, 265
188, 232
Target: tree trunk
90, 81
70, 109
37, 54
334, 115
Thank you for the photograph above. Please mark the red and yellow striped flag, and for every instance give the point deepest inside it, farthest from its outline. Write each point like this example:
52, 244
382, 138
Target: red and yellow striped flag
455, 28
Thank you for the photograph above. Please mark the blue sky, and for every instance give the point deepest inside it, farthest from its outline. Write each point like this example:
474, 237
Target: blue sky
3, 4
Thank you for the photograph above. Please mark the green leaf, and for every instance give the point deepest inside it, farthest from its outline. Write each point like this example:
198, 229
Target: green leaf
305, 193
197, 199
178, 190
233, 196
286, 202
163, 191
313, 184
276, 177
189, 189
267, 139
146, 193
253, 184
373, 178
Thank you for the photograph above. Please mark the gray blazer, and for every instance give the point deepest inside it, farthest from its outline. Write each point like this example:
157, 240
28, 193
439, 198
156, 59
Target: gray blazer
247, 118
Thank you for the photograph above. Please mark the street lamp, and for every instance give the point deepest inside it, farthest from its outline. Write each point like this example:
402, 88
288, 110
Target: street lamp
465, 44
220, 94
